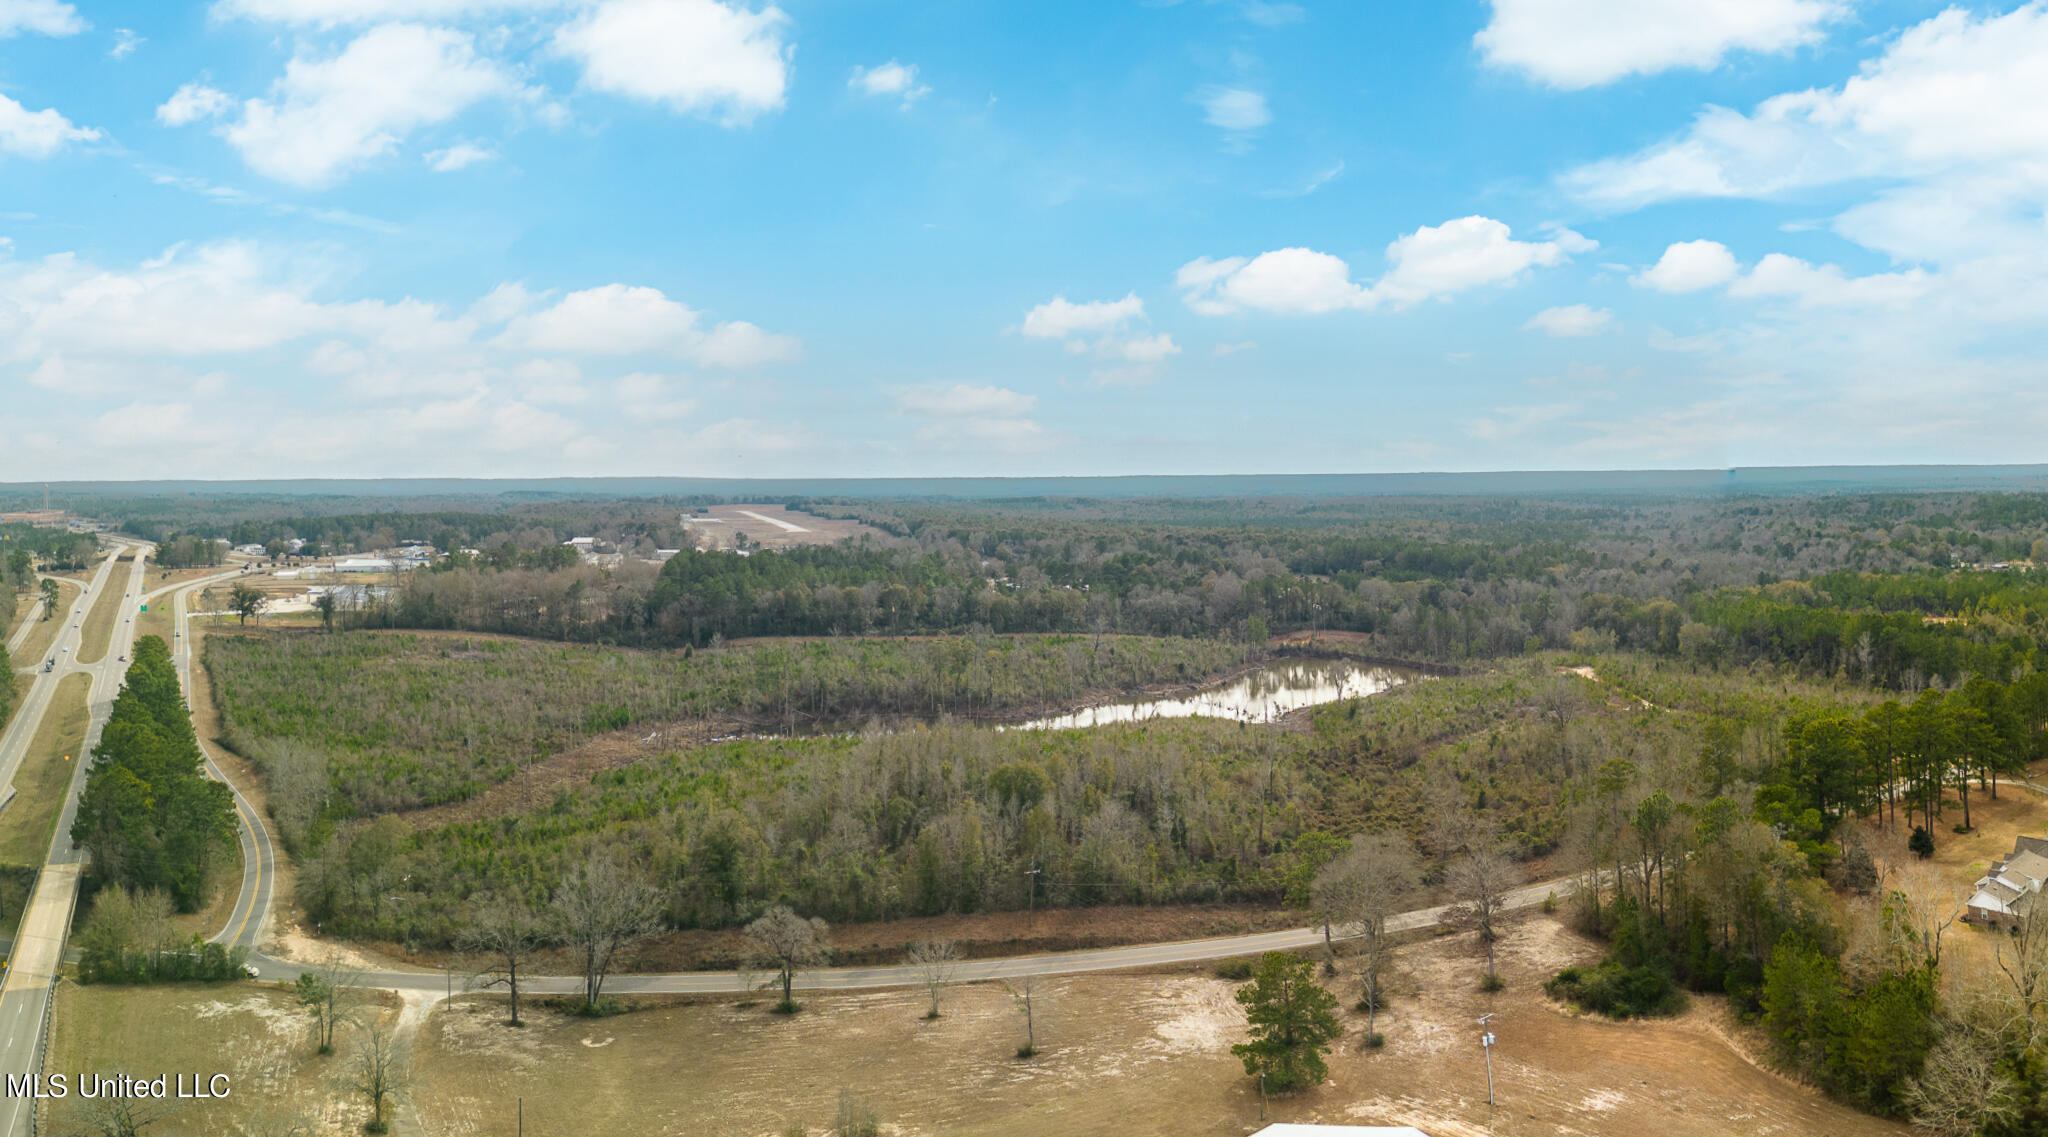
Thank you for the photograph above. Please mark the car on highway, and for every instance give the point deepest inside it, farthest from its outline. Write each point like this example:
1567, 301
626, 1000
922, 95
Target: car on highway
249, 969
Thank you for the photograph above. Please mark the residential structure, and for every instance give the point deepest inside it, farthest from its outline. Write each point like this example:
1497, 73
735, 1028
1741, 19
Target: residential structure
2007, 894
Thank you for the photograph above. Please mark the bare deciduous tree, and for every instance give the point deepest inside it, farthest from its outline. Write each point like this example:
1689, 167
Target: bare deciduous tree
785, 943
936, 962
2023, 960
378, 1070
1359, 890
1962, 1088
106, 1116
1480, 884
600, 910
1024, 994
508, 931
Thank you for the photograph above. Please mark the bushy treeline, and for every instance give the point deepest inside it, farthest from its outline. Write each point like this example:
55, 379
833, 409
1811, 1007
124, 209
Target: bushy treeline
362, 723
1720, 896
188, 551
58, 550
924, 821
129, 938
149, 815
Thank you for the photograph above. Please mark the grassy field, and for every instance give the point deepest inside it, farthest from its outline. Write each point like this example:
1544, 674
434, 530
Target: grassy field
35, 647
1137, 1055
258, 1035
28, 821
106, 611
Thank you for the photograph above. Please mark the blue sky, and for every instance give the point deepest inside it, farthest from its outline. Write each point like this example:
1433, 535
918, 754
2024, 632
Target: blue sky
267, 238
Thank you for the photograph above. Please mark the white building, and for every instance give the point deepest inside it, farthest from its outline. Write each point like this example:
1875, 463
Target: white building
367, 564
2005, 895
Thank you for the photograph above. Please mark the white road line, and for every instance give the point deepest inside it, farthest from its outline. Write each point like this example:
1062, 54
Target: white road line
786, 526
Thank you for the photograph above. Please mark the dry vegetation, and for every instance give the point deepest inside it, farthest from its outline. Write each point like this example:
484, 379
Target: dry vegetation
36, 647
30, 819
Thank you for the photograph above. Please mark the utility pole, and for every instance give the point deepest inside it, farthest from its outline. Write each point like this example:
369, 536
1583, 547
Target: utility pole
1031, 893
1486, 1044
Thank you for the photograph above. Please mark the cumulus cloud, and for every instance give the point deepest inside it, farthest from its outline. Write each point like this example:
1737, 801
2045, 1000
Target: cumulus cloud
1233, 110
1572, 320
723, 61
620, 319
1946, 97
1059, 317
962, 399
889, 79
1689, 266
42, 17
192, 102
328, 116
458, 156
1584, 43
330, 13
125, 43
1781, 276
37, 134
1154, 348
1434, 261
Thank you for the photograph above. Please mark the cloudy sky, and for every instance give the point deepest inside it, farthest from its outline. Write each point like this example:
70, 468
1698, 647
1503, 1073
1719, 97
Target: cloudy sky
268, 238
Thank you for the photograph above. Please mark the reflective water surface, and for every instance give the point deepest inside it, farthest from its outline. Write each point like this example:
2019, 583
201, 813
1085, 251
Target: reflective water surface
1258, 696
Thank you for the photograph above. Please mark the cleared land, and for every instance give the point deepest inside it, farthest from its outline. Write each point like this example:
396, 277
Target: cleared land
1145, 1055
258, 1035
1128, 1054
107, 608
34, 649
769, 526
27, 822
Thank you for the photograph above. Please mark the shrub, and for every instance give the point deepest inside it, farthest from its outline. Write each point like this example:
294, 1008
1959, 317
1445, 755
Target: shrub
1237, 970
1619, 991
1921, 843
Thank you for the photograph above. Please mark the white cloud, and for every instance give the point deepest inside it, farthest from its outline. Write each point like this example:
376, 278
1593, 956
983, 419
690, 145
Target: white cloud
1461, 254
1434, 261
1223, 349
965, 416
37, 134
43, 17
330, 13
125, 43
333, 115
1951, 96
1233, 109
696, 56
961, 399
1778, 275
1059, 318
458, 156
1571, 320
1584, 43
891, 78
1142, 349
1689, 266
192, 102
620, 319
1284, 280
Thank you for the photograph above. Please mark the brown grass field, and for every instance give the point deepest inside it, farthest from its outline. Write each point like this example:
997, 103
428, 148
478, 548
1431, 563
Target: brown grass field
1144, 1055
37, 645
107, 608
30, 819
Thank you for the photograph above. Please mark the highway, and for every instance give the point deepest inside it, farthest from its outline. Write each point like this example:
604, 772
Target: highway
39, 943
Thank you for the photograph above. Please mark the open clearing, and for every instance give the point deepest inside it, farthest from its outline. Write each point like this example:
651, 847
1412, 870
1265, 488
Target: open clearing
257, 1035
28, 821
44, 633
1146, 1055
768, 526
1129, 1054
